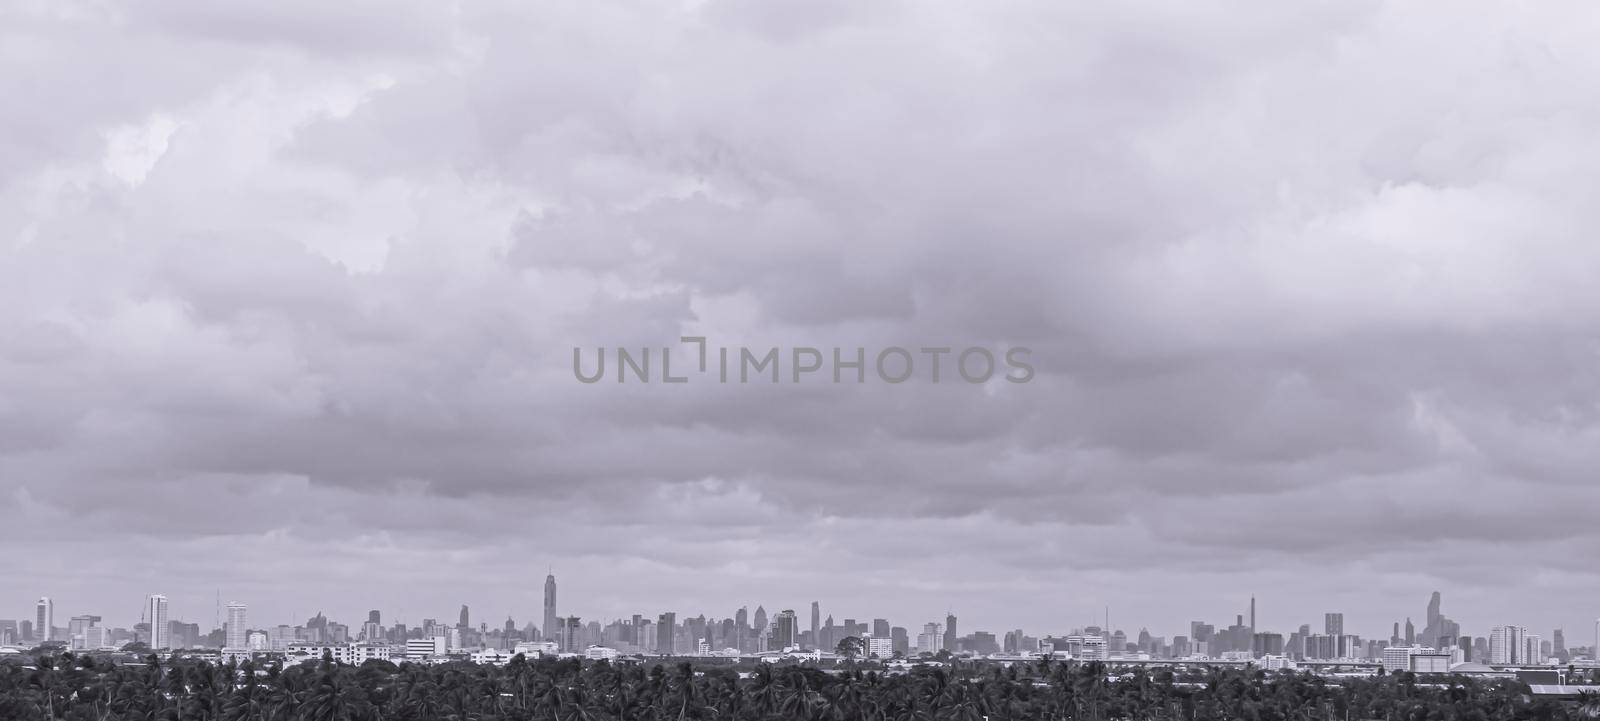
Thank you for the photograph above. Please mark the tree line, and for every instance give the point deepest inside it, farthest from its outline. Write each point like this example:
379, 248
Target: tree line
72, 688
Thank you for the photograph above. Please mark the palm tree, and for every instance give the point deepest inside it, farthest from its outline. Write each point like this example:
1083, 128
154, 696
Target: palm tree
1589, 705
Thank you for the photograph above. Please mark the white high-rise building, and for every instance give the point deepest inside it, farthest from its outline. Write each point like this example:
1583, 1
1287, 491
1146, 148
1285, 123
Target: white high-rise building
238, 630
44, 620
931, 640
1508, 645
156, 612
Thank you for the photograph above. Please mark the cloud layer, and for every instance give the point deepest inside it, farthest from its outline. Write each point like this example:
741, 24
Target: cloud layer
291, 294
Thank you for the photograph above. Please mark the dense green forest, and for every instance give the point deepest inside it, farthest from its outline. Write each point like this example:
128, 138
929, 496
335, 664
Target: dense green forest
69, 687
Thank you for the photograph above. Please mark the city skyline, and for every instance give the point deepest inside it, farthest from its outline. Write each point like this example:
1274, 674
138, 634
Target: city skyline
1333, 622
292, 299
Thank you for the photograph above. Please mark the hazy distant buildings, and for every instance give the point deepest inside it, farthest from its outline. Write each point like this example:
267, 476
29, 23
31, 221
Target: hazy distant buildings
1439, 627
79, 634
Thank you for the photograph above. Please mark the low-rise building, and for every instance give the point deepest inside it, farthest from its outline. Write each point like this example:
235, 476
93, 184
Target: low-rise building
353, 654
492, 656
423, 648
535, 649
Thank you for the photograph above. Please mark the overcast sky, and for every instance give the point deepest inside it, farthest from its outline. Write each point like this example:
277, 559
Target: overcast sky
289, 292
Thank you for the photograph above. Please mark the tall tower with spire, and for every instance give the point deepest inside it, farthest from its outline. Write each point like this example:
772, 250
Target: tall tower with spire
550, 620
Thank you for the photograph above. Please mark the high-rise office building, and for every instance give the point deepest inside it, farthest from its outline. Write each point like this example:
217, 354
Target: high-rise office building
1333, 624
44, 619
950, 635
1266, 644
761, 622
1438, 625
785, 630
238, 630
466, 619
816, 625
77, 628
550, 620
880, 627
931, 640
1508, 645
155, 612
666, 632
571, 637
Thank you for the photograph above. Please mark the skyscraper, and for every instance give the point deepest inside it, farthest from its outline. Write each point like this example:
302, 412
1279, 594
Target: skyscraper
44, 619
550, 620
816, 624
1438, 625
785, 630
950, 634
666, 630
571, 636
156, 612
466, 619
1333, 624
761, 622
237, 627
1508, 645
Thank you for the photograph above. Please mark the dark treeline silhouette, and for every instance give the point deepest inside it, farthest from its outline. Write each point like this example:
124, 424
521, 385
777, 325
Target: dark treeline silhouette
84, 687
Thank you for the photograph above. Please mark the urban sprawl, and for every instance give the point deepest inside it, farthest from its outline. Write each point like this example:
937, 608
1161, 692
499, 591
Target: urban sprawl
1439, 646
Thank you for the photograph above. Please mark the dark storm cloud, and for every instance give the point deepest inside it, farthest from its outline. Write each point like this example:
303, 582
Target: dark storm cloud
1304, 288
